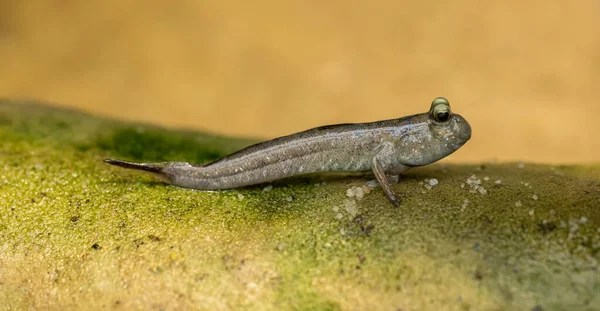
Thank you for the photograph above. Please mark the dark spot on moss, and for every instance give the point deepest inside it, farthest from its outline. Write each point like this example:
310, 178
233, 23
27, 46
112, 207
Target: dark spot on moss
478, 275
361, 258
96, 246
153, 238
138, 242
158, 269
537, 308
200, 277
367, 229
546, 228
359, 220
155, 145
82, 146
229, 263
74, 219
363, 226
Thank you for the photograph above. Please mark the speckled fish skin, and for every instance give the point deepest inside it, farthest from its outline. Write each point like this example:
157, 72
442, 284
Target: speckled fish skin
398, 144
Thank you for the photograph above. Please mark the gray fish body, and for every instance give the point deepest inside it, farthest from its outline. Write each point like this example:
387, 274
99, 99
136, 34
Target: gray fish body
396, 145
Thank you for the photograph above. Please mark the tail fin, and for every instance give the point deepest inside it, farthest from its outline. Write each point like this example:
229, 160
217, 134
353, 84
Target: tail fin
148, 167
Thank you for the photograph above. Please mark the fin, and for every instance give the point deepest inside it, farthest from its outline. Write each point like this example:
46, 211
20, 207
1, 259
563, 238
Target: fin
148, 167
384, 183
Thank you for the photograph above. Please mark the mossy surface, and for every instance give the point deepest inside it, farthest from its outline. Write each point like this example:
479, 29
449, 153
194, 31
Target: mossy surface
78, 234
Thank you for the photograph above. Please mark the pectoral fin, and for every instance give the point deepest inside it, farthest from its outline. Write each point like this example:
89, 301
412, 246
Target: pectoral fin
383, 181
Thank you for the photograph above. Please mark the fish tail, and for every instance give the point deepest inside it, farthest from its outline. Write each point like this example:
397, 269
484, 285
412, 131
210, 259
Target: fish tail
156, 168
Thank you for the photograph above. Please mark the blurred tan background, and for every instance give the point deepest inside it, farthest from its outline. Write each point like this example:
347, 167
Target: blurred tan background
525, 74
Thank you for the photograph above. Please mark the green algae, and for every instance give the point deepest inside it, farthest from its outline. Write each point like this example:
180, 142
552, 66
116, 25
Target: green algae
76, 233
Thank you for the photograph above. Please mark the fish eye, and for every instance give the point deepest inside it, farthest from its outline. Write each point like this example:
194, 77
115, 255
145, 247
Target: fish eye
442, 116
440, 109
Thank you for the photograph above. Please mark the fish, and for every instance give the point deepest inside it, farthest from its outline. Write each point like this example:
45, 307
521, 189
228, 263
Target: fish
385, 148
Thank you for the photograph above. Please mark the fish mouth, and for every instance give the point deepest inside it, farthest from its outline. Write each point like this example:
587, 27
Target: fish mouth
468, 135
465, 129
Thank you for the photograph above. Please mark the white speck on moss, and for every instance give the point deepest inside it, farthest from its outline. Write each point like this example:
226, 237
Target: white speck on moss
573, 227
518, 204
268, 188
526, 184
240, 196
465, 204
473, 180
521, 165
498, 182
289, 199
351, 208
486, 178
336, 208
475, 184
433, 182
583, 220
531, 212
355, 192
358, 192
339, 216
534, 197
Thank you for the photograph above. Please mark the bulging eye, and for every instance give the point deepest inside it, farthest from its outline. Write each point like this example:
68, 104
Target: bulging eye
442, 116
440, 109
